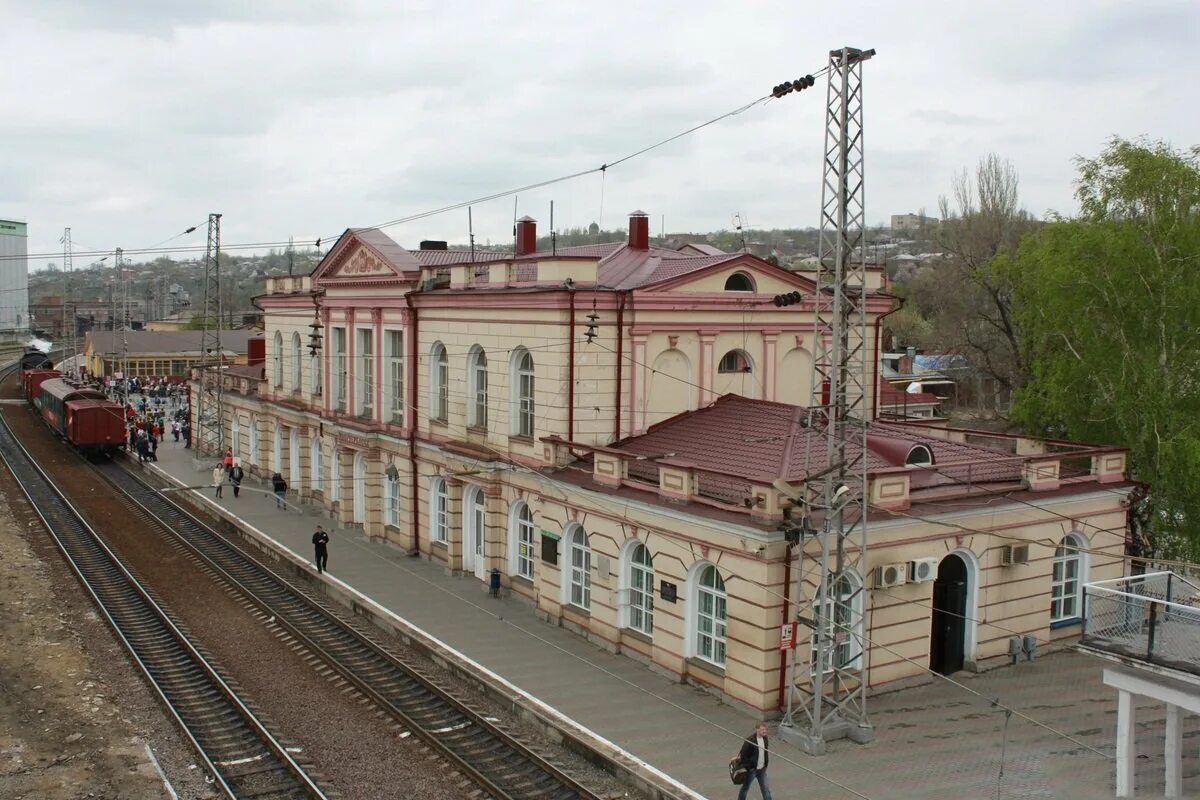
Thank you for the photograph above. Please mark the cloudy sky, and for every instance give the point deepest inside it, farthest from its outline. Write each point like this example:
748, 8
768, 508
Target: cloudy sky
130, 120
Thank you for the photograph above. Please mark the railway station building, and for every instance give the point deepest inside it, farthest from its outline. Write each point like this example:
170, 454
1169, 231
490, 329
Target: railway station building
603, 424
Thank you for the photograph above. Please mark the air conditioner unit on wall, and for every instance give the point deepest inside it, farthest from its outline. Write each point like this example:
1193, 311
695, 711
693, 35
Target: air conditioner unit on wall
1012, 554
922, 570
889, 575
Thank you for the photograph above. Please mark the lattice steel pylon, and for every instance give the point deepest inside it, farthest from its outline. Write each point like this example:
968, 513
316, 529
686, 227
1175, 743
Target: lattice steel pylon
209, 428
833, 694
68, 308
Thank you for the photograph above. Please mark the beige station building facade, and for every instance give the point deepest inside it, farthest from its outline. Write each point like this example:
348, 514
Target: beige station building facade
603, 425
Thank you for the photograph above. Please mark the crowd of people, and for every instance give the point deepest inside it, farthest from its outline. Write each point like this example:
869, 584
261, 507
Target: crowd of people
161, 408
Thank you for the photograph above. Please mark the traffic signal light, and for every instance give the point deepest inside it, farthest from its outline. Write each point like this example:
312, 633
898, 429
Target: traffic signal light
789, 299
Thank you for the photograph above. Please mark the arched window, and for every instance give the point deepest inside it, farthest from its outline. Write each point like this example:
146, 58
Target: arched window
314, 463
391, 499
235, 436
578, 583
335, 476
297, 363
314, 374
439, 504
639, 580
734, 361
739, 282
277, 451
439, 382
359, 475
294, 459
710, 613
477, 388
522, 381
1069, 573
919, 456
520, 536
278, 364
842, 616
254, 440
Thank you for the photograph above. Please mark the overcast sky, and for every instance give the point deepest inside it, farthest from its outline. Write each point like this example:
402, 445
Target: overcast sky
130, 120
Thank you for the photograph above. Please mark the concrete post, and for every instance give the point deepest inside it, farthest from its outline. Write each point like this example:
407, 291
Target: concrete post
1126, 744
1173, 752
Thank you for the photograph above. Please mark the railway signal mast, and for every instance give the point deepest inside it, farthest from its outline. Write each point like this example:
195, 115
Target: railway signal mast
209, 430
830, 702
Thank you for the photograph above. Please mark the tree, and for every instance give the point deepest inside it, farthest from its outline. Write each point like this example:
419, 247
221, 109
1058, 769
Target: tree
1108, 309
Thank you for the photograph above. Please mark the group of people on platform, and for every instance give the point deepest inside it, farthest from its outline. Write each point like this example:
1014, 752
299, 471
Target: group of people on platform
229, 470
148, 424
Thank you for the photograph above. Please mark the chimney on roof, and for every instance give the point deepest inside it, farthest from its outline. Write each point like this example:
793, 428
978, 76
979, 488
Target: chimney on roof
639, 231
433, 244
526, 236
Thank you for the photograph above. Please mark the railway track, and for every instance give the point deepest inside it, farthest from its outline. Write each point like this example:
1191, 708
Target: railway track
505, 767
244, 759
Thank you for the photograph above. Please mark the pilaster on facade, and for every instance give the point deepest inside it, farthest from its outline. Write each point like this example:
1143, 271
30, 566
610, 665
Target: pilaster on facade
706, 368
770, 340
351, 367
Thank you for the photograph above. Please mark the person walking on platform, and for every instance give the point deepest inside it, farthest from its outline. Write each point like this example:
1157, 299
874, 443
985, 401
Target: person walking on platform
755, 757
279, 486
235, 476
153, 444
320, 542
228, 461
218, 477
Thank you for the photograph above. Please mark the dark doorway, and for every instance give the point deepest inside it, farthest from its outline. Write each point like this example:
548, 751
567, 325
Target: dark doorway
949, 628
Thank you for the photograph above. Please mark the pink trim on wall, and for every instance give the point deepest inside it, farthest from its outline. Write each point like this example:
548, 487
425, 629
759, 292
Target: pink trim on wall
648, 327
377, 321
352, 337
768, 366
707, 341
326, 358
636, 368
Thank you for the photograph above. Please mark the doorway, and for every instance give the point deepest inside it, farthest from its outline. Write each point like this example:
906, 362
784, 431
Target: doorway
474, 512
947, 641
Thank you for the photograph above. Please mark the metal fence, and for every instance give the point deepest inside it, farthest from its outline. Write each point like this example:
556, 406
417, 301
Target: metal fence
1154, 617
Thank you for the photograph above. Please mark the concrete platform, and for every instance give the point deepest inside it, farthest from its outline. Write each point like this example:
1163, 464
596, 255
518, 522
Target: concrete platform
932, 741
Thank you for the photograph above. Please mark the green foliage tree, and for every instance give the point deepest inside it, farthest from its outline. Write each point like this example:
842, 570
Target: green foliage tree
1108, 305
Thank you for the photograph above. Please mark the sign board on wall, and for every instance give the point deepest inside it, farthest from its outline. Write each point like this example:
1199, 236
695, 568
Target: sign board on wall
550, 547
668, 591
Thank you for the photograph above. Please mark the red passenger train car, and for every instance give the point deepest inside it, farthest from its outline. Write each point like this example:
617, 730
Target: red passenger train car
84, 417
31, 382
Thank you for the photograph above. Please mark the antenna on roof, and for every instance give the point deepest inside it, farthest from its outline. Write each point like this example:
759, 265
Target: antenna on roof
516, 197
553, 235
471, 232
291, 256
737, 219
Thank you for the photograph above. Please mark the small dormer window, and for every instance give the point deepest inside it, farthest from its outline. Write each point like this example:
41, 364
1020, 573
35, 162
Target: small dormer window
733, 361
919, 456
739, 282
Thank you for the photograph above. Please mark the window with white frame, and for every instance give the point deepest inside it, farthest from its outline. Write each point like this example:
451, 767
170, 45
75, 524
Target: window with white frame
364, 384
314, 374
522, 537
314, 463
439, 504
439, 382
277, 376
579, 568
394, 387
477, 388
297, 363
335, 476
339, 368
253, 440
523, 408
235, 436
391, 500
710, 615
734, 361
641, 590
841, 616
1066, 580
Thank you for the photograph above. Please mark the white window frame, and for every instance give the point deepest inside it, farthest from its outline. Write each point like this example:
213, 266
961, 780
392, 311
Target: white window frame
842, 613
439, 382
710, 615
638, 606
277, 366
235, 436
295, 473
335, 476
314, 465
364, 383
393, 387
740, 354
521, 533
254, 440
524, 385
577, 583
297, 364
314, 378
339, 368
477, 388
1068, 573
391, 500
277, 451
439, 511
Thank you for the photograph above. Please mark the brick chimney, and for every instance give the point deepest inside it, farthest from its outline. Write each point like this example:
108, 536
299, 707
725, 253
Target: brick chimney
526, 236
639, 231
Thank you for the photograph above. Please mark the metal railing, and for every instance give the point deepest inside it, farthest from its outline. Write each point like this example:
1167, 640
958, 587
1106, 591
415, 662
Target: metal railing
1153, 617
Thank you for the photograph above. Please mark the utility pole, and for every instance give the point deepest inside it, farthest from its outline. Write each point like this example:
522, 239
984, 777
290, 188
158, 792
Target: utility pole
832, 702
68, 325
125, 325
209, 428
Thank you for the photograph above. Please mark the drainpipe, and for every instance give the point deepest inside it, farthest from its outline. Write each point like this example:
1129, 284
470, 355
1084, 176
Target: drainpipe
875, 387
413, 505
783, 661
620, 364
571, 366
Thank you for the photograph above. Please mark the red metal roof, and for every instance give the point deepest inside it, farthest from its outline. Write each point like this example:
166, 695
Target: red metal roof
889, 395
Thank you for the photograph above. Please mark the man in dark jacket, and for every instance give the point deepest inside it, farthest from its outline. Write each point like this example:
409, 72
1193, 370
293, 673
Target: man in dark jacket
279, 486
235, 476
320, 542
755, 757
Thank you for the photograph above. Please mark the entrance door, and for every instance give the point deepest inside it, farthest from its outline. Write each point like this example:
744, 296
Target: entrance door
360, 488
948, 635
473, 560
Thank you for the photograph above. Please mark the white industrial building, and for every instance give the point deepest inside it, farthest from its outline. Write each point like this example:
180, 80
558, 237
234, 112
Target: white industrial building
14, 276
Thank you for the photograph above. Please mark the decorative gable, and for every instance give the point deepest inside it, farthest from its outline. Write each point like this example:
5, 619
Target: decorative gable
713, 279
360, 263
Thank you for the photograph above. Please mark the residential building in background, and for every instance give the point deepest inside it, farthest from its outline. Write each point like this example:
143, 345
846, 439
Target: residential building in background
157, 354
14, 276
911, 222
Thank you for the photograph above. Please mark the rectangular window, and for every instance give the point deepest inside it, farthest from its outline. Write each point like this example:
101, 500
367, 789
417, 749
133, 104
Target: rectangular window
1064, 588
364, 385
440, 521
641, 599
395, 378
314, 364
392, 502
581, 577
339, 368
